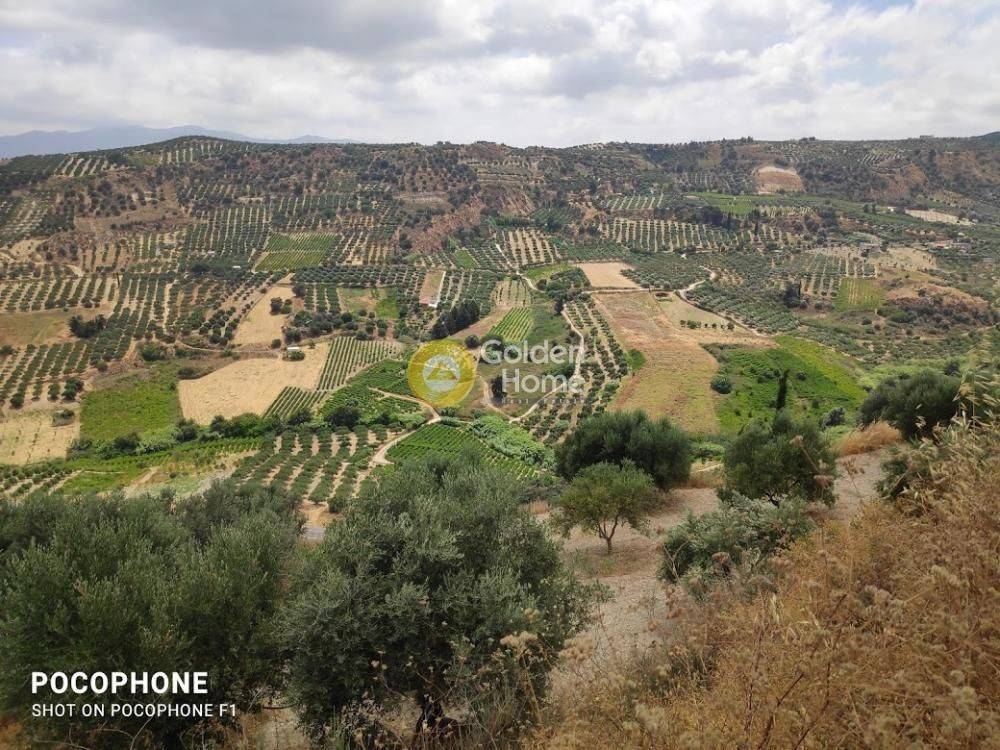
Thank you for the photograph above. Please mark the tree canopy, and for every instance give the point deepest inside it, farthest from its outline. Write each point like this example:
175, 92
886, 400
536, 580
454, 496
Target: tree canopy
788, 458
421, 590
141, 584
656, 447
603, 496
915, 404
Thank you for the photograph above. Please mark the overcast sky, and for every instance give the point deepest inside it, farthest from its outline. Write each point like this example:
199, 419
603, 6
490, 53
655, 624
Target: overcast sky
551, 72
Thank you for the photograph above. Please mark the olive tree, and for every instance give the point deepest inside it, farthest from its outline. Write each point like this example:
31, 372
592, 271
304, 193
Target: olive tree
602, 497
140, 585
436, 586
657, 447
787, 458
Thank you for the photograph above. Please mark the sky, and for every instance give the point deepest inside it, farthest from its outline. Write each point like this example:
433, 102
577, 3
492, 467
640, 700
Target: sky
521, 72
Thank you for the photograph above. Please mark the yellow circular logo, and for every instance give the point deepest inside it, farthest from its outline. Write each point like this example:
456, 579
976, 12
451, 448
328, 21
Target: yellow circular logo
441, 372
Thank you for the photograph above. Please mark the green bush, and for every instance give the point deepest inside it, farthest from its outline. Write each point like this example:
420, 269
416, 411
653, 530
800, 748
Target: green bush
436, 585
658, 448
914, 405
715, 542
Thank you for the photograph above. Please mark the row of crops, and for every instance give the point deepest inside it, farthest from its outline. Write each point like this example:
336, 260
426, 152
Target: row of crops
318, 465
348, 355
56, 292
476, 285
406, 280
746, 305
652, 235
291, 252
439, 439
515, 325
602, 369
662, 271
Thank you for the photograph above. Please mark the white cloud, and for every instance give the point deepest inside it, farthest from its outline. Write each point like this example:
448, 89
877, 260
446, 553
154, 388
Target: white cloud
518, 71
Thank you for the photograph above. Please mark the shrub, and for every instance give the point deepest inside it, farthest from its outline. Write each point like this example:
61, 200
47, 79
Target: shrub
712, 544
658, 448
914, 405
789, 458
722, 384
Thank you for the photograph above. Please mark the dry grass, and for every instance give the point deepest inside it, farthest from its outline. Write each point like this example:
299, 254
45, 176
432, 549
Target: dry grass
866, 440
248, 385
674, 381
608, 275
883, 633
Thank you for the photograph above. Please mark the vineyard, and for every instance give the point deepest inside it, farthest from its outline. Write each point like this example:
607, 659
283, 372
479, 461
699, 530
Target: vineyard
439, 439
348, 355
284, 252
858, 294
318, 465
515, 325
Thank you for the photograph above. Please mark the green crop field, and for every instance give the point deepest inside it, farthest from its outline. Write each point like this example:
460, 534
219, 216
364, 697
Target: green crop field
515, 326
301, 251
858, 294
437, 439
738, 205
819, 380
134, 404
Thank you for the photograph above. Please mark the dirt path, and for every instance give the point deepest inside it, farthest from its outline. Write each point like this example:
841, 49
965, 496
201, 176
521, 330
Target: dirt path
634, 619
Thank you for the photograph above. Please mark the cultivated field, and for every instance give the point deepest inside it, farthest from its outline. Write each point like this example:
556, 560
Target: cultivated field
248, 385
31, 436
608, 275
674, 380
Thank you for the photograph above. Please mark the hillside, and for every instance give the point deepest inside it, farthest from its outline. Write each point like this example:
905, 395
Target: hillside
386, 435
877, 633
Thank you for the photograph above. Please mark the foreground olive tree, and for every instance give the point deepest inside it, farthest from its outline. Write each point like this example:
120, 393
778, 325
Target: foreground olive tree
788, 458
913, 404
439, 588
141, 585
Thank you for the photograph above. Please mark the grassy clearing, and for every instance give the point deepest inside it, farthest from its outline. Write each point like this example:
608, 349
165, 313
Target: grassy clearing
858, 294
138, 403
364, 300
819, 380
537, 273
464, 259
388, 306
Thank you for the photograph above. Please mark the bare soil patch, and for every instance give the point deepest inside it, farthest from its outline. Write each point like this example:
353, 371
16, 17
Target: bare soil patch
677, 311
248, 385
773, 179
939, 216
29, 436
431, 286
608, 275
259, 326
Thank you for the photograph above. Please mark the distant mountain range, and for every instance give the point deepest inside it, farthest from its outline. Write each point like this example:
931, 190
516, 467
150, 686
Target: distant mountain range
39, 142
